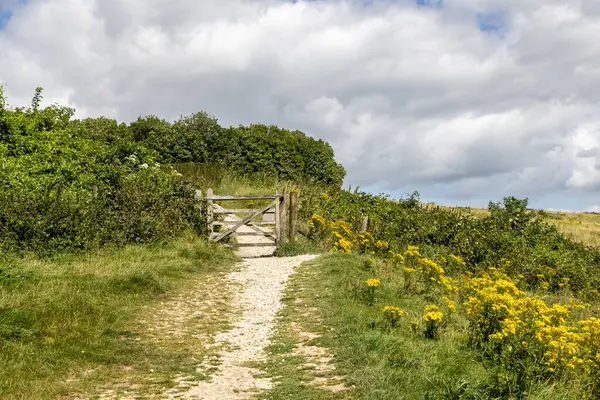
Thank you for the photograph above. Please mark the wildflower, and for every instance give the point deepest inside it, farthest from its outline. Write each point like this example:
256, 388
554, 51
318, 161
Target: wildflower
563, 282
380, 244
414, 326
433, 318
392, 314
450, 304
457, 260
373, 283
412, 251
343, 246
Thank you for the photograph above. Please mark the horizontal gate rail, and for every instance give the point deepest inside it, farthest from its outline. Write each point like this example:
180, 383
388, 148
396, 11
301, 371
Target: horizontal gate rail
239, 210
244, 197
250, 244
229, 223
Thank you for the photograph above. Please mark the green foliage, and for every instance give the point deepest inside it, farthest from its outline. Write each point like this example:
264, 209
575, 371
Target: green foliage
511, 235
80, 184
198, 138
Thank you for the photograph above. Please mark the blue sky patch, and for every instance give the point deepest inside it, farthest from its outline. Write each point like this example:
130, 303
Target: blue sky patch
494, 22
5, 16
430, 3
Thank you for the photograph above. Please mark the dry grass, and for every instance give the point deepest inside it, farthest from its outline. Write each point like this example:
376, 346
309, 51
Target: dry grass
581, 227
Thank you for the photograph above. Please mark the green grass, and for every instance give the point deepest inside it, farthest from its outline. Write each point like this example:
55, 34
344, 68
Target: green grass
73, 323
298, 247
376, 361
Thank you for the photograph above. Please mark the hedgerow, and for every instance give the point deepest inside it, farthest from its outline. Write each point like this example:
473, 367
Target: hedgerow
61, 187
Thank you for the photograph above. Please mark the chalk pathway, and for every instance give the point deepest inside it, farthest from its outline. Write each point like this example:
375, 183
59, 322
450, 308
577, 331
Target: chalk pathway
263, 280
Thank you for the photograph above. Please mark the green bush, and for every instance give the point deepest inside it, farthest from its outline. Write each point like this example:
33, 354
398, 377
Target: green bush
68, 184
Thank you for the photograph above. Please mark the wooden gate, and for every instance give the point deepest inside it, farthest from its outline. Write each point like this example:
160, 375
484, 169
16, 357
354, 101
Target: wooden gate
268, 221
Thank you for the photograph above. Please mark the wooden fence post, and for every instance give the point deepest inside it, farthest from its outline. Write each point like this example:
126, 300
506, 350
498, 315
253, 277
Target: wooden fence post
365, 223
293, 216
209, 213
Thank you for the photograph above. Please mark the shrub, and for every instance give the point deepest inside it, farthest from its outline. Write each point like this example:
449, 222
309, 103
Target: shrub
69, 184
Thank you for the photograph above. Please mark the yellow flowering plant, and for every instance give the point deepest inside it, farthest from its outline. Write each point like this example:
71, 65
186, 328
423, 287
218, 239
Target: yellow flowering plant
433, 319
392, 315
371, 286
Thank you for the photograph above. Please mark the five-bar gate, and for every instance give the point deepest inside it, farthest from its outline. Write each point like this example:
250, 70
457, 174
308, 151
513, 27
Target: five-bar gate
268, 221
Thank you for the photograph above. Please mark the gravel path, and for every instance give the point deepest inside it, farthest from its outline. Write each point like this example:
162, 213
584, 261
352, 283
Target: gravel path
263, 280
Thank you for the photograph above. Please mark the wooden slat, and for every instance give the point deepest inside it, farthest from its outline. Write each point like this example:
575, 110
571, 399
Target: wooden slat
283, 218
263, 234
239, 210
278, 219
228, 223
248, 197
209, 212
253, 234
251, 244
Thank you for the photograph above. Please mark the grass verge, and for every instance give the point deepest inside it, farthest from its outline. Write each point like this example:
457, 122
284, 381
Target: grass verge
71, 325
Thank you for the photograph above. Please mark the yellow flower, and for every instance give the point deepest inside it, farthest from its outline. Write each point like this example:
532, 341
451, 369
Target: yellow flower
457, 260
450, 303
433, 316
373, 283
392, 314
381, 244
414, 326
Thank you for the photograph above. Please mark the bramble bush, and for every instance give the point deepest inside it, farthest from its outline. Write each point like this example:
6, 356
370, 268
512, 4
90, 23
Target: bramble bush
85, 183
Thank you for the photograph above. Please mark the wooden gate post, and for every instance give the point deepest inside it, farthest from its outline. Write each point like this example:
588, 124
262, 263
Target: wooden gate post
209, 213
283, 218
277, 220
293, 216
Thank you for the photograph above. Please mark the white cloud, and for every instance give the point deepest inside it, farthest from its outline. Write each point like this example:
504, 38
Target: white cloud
410, 97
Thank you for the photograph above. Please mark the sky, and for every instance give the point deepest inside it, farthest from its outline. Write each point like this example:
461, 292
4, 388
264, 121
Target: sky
464, 101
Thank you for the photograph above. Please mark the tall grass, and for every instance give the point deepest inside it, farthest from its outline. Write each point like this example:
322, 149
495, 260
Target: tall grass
73, 313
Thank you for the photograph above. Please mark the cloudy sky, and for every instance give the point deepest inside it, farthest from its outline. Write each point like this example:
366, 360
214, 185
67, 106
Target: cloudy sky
465, 101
